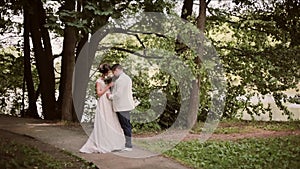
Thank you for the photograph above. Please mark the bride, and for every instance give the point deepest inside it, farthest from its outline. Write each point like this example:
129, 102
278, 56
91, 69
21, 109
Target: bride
107, 134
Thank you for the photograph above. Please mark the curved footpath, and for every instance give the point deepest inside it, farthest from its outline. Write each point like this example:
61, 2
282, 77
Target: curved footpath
71, 138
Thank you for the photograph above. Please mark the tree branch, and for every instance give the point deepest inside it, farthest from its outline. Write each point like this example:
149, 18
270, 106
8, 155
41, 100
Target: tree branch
138, 38
57, 55
134, 32
129, 51
208, 2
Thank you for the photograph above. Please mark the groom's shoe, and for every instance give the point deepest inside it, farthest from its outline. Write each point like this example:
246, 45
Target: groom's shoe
127, 149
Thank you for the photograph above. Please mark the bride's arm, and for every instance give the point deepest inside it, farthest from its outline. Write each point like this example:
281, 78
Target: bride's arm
101, 91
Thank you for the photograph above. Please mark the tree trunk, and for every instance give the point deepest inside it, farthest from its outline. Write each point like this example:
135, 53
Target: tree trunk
187, 9
68, 62
84, 35
194, 99
32, 110
202, 16
44, 58
193, 105
81, 43
66, 76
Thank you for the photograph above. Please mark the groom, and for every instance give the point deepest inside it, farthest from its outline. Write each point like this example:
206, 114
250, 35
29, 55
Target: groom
122, 100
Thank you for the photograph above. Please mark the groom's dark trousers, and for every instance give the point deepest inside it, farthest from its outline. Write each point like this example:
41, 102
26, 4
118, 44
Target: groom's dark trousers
124, 118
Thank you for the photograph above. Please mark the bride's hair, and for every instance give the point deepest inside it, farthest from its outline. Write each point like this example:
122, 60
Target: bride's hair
104, 68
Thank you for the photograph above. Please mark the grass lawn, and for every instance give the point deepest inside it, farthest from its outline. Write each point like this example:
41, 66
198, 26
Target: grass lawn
267, 153
21, 152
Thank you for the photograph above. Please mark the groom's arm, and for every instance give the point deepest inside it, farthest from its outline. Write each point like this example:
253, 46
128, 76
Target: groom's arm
117, 89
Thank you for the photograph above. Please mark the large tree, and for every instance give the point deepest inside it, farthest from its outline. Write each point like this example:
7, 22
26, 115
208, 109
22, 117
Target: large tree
68, 62
32, 110
259, 49
44, 58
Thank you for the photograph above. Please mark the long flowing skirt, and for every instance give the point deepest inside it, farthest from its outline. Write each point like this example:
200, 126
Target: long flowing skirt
107, 134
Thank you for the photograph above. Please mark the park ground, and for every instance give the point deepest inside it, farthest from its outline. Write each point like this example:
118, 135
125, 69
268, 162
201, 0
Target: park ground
31, 143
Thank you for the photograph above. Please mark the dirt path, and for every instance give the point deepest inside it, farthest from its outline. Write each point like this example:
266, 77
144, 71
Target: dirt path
71, 138
237, 136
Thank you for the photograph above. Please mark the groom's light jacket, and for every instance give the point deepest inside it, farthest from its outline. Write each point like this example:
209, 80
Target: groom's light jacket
122, 94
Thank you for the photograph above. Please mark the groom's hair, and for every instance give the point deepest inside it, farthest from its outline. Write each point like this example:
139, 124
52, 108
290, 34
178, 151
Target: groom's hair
116, 66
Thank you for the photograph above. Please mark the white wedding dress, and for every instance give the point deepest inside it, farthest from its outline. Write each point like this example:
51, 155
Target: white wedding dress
107, 134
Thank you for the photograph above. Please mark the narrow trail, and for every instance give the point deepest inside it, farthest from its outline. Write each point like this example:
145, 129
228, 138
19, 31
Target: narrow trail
237, 136
71, 138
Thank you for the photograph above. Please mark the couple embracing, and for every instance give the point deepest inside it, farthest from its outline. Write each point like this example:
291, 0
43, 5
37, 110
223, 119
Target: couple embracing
112, 127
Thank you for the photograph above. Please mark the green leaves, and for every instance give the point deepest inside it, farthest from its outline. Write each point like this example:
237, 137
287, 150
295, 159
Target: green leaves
11, 73
259, 51
94, 8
